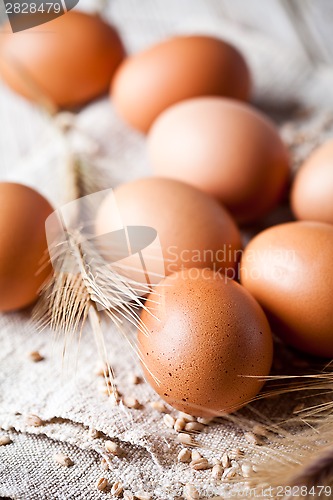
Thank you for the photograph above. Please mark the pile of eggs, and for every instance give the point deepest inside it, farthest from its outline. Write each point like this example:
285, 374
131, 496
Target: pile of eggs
218, 164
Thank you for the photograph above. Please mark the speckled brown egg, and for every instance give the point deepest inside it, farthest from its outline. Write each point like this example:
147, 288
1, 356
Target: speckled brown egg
288, 269
312, 192
193, 228
68, 61
225, 148
176, 69
23, 246
208, 340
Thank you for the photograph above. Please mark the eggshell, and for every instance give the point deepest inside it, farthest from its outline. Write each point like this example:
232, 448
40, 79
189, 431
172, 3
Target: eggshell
312, 192
69, 60
177, 69
288, 269
206, 337
23, 247
193, 229
225, 148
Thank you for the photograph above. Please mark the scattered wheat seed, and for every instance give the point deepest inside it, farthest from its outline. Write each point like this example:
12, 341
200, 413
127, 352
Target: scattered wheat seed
225, 460
158, 406
102, 483
179, 425
142, 495
169, 421
186, 417
204, 421
36, 356
63, 460
194, 427
131, 403
247, 469
229, 473
4, 440
34, 421
112, 447
252, 438
217, 471
104, 464
216, 461
195, 455
134, 379
117, 489
190, 492
185, 439
200, 464
94, 433
260, 430
184, 456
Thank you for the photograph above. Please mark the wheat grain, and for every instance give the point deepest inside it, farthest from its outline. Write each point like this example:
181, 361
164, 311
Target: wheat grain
104, 464
36, 357
200, 464
93, 433
225, 461
190, 492
195, 455
217, 471
63, 460
186, 417
134, 379
102, 484
179, 425
117, 489
169, 421
184, 456
112, 448
252, 438
34, 421
4, 440
158, 406
185, 439
131, 403
194, 427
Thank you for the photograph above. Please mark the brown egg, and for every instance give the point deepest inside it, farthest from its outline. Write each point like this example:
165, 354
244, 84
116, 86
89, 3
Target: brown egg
177, 69
225, 148
312, 192
287, 268
207, 337
192, 228
69, 60
23, 247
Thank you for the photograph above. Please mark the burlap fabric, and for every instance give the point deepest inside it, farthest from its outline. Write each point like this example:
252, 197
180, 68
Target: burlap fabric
66, 396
